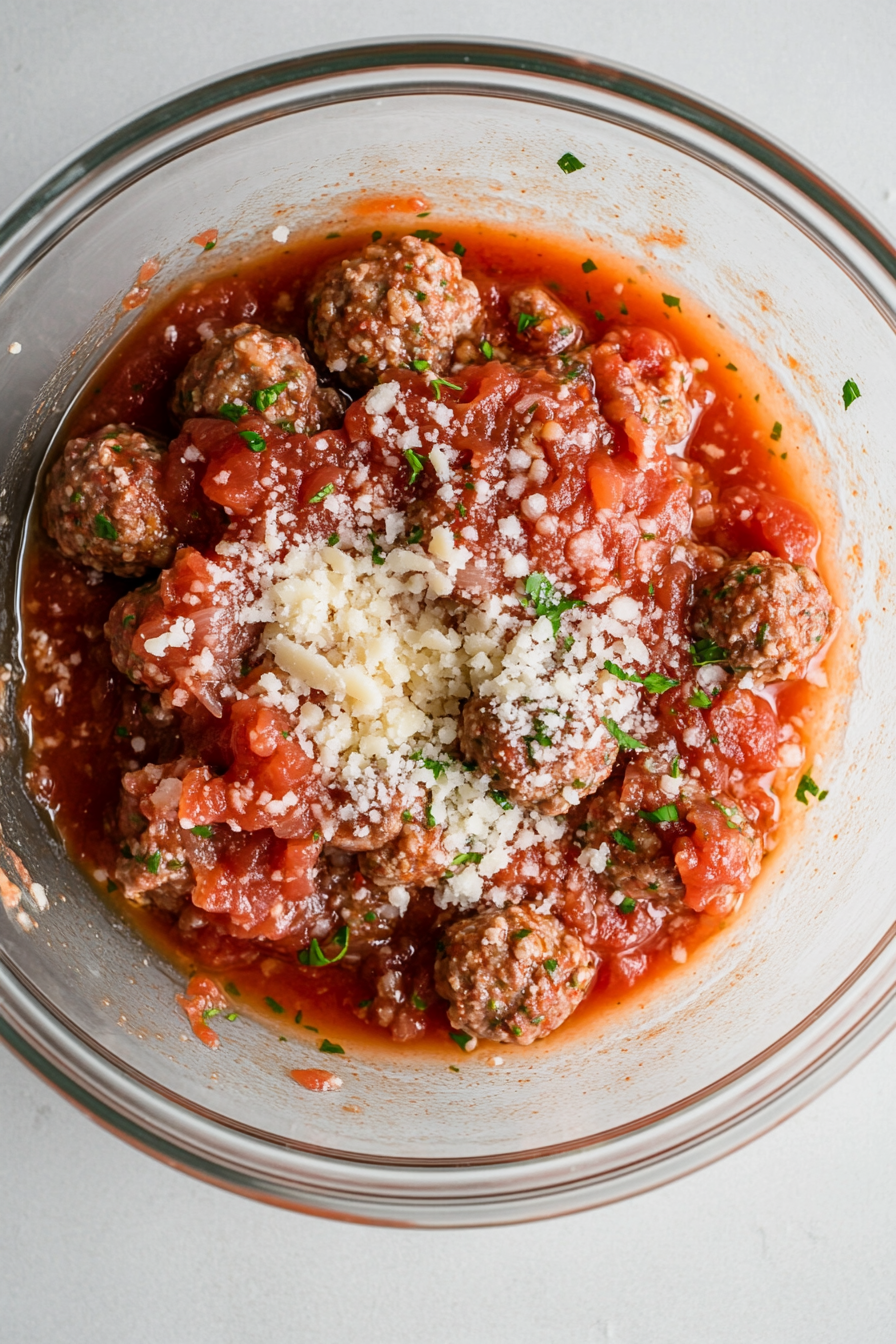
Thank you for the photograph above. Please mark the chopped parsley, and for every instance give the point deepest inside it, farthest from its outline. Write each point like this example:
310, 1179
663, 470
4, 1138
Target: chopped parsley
274, 1006
103, 528
437, 767
625, 841
428, 816
732, 367
851, 393
727, 813
627, 905
704, 651
699, 700
77, 497
501, 799
333, 539
671, 301
675, 768
761, 635
458, 249
313, 956
232, 411
204, 831
588, 266
322, 493
568, 163
600, 317
471, 857
415, 535
625, 740
654, 682
330, 1048
668, 812
376, 235
414, 462
527, 320
438, 383
487, 349
153, 863
546, 601
369, 917
298, 1018
378, 557
121, 731
266, 396
407, 816
254, 442
419, 1004
776, 431
807, 785
420, 296
520, 933
539, 735
460, 1038
428, 235
550, 965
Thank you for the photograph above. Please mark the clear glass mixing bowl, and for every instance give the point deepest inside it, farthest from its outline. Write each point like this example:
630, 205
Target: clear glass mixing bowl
802, 983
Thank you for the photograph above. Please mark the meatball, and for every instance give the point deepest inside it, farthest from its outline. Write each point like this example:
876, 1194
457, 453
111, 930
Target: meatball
511, 975
642, 384
395, 303
249, 366
360, 832
770, 616
103, 505
542, 325
415, 858
538, 757
157, 855
124, 620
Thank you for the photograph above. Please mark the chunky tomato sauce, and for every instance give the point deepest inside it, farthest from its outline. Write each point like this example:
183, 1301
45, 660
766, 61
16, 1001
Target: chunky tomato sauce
738, 740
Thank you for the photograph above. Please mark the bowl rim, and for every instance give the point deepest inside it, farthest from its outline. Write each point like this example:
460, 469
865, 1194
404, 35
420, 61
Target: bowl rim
557, 1182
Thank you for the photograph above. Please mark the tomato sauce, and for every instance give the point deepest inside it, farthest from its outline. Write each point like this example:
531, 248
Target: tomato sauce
87, 725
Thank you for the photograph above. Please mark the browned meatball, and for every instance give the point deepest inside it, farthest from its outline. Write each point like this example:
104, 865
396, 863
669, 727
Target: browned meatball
768, 615
248, 366
124, 620
511, 975
395, 303
157, 854
365, 831
370, 919
642, 383
415, 858
541, 324
637, 866
103, 505
537, 757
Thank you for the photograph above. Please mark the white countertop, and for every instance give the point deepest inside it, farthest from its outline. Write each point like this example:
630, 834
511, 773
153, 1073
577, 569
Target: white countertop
790, 1240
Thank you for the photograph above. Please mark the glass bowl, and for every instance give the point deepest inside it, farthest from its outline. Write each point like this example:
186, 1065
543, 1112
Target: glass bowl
798, 986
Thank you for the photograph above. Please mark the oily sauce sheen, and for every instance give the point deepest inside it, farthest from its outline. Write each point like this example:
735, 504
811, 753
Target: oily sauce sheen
88, 725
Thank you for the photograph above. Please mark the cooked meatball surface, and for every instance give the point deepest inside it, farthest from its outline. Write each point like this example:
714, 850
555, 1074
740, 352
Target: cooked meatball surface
536, 757
103, 505
124, 619
511, 975
541, 325
415, 858
642, 382
395, 303
248, 366
769, 615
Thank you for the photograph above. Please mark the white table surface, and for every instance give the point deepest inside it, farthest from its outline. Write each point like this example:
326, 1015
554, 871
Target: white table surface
791, 1240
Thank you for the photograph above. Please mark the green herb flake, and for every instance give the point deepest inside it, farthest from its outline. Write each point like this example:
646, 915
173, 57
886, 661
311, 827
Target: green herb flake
322, 493
333, 539
460, 1038
851, 393
458, 249
625, 740
675, 768
298, 1018
776, 431
376, 235
704, 652
428, 816
378, 557
550, 965
104, 528
333, 235
568, 163
415, 536
274, 1006
111, 886
204, 831
427, 235
699, 700
121, 732
668, 812
231, 411
419, 1004
727, 813
487, 349
313, 956
625, 841
672, 301
588, 266
732, 367
330, 1048
546, 601
600, 317
420, 296
365, 1003
369, 917
501, 799
230, 988
627, 905
266, 396
807, 785
415, 463
527, 320
438, 383
154, 862
762, 635
472, 856
254, 442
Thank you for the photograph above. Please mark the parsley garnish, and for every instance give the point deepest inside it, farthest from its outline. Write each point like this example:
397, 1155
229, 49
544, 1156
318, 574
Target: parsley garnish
420, 296
501, 799
487, 349
732, 367
761, 634
254, 442
77, 497
727, 813
330, 1048
204, 831
704, 651
231, 411
807, 785
407, 816
851, 392
625, 841
547, 601
266, 396
274, 1006
471, 857
654, 682
103, 528
322, 493
600, 317
668, 812
550, 965
527, 320
539, 735
415, 535
588, 266
153, 863
298, 1018
626, 742
333, 539
313, 956
437, 767
230, 988
671, 301
460, 1038
520, 933
414, 462
699, 700
419, 1004
121, 731
675, 768
378, 557
627, 905
458, 249
776, 431
428, 235
568, 163
428, 816
438, 383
